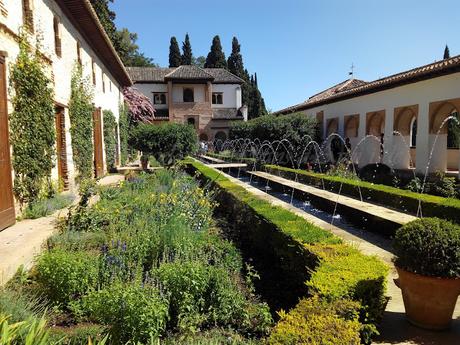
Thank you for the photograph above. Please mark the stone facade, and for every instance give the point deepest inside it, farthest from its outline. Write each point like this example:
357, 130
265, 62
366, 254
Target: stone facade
211, 117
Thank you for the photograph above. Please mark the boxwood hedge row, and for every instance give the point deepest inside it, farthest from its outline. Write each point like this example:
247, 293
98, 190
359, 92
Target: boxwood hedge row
313, 262
400, 199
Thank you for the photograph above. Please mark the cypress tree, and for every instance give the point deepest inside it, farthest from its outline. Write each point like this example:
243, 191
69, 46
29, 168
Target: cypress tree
446, 52
187, 55
175, 59
216, 57
235, 60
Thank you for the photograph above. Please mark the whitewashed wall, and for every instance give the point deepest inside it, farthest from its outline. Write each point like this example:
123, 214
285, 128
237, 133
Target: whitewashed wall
422, 93
149, 89
231, 95
198, 91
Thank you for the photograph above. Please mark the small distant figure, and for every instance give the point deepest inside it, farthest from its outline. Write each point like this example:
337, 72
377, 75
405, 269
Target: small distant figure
202, 147
206, 148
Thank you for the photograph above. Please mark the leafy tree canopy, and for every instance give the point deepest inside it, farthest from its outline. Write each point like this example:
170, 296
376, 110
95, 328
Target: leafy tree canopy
123, 40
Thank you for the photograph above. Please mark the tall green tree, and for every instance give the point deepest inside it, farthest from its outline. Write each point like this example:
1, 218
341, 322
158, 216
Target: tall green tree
123, 40
446, 52
216, 57
235, 60
175, 58
199, 61
187, 55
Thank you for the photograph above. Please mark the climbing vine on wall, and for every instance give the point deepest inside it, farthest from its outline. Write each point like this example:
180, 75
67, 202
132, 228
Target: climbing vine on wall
123, 125
32, 127
81, 128
110, 139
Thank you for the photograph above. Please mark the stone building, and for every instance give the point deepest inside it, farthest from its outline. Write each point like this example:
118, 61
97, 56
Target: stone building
414, 111
208, 98
70, 33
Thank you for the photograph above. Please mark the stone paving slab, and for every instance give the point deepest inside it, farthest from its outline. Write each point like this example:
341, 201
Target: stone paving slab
212, 159
22, 242
228, 165
371, 209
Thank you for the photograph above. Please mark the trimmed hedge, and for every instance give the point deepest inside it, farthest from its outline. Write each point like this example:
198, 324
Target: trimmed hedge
229, 158
430, 247
307, 322
396, 198
312, 260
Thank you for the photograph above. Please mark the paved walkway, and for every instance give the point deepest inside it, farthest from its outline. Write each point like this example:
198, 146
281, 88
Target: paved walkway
370, 209
20, 243
395, 329
228, 165
212, 159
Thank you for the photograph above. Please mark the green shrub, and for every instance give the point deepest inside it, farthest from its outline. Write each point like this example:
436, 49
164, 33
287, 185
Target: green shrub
110, 138
32, 126
271, 127
442, 186
133, 312
19, 306
203, 295
45, 207
429, 246
124, 128
81, 123
167, 142
77, 240
67, 276
314, 321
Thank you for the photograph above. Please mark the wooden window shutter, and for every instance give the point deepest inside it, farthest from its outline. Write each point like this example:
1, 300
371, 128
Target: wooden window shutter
57, 36
3, 10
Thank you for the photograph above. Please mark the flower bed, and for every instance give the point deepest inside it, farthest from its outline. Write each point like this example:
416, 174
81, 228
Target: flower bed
312, 260
400, 199
145, 263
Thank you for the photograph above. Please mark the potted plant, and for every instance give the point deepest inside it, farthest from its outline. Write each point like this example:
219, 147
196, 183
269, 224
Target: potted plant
427, 259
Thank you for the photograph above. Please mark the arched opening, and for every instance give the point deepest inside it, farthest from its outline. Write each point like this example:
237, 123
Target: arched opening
332, 126
351, 126
453, 131
444, 136
188, 96
191, 121
376, 123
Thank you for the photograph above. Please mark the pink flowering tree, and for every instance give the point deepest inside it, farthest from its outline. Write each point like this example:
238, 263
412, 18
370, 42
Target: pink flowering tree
140, 108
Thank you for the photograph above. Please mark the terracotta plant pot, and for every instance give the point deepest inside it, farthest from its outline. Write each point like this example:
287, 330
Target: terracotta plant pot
429, 301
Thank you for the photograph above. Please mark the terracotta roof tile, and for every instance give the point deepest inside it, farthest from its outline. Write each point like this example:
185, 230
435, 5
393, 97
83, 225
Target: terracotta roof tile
360, 88
161, 75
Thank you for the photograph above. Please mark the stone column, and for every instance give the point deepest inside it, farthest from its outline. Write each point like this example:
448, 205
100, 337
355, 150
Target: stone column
170, 100
423, 141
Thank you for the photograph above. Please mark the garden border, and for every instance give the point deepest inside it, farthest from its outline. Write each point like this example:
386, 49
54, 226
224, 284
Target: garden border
309, 256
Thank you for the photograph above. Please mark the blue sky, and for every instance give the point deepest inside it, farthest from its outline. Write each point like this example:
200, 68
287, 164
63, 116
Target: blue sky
300, 47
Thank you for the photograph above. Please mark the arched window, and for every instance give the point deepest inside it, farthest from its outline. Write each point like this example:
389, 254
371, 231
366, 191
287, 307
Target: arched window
191, 121
453, 131
188, 95
413, 132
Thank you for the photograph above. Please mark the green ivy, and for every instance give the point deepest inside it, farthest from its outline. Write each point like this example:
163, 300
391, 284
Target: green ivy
110, 138
81, 129
124, 133
32, 128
